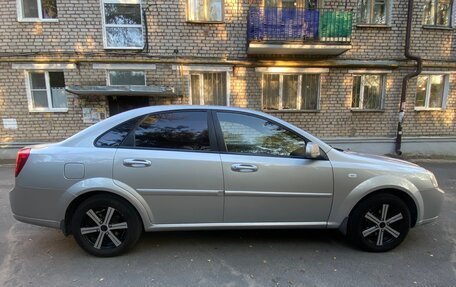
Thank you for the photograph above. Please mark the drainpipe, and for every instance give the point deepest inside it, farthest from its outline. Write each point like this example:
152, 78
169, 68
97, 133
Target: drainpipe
419, 68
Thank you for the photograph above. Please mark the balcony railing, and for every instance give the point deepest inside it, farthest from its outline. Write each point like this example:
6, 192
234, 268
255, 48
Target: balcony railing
277, 24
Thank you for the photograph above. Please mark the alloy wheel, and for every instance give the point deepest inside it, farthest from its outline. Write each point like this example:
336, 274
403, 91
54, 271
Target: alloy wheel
381, 224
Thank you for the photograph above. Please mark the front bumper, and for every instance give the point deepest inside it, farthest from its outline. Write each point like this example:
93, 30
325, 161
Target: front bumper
432, 204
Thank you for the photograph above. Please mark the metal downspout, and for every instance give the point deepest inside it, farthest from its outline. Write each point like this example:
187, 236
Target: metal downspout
419, 68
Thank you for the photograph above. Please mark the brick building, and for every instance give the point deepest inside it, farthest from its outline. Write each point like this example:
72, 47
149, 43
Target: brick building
333, 68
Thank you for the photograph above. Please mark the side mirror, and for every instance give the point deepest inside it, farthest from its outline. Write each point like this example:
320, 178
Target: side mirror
312, 150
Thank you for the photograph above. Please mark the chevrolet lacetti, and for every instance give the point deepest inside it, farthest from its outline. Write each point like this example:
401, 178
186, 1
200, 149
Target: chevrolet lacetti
201, 167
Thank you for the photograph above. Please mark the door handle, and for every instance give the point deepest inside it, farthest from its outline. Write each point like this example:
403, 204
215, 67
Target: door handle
242, 167
137, 163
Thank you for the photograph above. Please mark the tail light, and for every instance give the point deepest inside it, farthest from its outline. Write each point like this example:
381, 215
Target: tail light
21, 159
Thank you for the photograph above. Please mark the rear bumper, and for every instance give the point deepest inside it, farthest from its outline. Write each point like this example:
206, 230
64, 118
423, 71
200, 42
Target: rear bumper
37, 221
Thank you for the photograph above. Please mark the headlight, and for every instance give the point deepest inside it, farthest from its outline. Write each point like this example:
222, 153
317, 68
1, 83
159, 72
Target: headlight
433, 179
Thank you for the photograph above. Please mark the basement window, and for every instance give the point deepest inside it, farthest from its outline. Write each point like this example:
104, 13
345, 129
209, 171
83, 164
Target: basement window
46, 91
205, 10
123, 24
37, 10
368, 92
437, 13
431, 92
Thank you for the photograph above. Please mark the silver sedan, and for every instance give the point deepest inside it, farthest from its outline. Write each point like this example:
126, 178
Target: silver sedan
200, 167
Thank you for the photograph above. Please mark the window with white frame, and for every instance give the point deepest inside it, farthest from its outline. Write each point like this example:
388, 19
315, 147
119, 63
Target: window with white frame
126, 77
123, 24
431, 91
205, 10
437, 12
291, 91
373, 12
46, 91
368, 91
37, 10
208, 88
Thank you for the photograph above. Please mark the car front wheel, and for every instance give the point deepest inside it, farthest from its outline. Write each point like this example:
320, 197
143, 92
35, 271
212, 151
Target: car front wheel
379, 223
105, 225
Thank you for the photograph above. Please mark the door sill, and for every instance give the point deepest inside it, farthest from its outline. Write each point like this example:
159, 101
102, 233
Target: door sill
236, 225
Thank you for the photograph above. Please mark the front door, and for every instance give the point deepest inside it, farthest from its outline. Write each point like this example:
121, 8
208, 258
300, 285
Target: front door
120, 104
266, 177
171, 162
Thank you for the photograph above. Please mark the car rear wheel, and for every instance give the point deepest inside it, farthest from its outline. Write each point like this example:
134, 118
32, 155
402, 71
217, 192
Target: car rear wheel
105, 225
379, 223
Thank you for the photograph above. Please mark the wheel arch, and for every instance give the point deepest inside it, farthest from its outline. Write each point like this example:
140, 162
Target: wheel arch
85, 189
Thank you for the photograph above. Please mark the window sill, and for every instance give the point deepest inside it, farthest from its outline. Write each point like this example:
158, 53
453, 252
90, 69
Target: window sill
60, 110
290, 111
429, 109
204, 22
380, 26
123, 48
367, 110
37, 20
432, 27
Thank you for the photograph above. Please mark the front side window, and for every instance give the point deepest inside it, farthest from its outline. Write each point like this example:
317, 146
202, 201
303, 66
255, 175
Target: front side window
125, 77
252, 135
123, 26
46, 91
205, 10
437, 12
291, 92
38, 10
208, 88
174, 130
431, 91
373, 12
368, 91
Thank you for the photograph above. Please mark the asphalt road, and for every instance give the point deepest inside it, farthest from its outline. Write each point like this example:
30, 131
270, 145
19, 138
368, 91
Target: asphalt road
35, 256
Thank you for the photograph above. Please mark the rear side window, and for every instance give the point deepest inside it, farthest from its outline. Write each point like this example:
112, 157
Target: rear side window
174, 130
114, 137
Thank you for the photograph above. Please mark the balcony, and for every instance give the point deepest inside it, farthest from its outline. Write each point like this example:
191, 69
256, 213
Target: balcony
282, 31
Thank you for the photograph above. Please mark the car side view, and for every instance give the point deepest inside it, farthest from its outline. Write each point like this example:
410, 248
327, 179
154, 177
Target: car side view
202, 167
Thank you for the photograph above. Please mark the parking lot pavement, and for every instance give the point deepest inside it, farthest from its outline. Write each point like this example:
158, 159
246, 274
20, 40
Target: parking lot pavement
35, 256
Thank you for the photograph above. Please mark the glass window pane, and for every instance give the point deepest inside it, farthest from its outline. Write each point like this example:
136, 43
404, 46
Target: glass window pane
252, 135
271, 3
290, 92
309, 92
30, 8
363, 11
174, 130
133, 78
124, 37
270, 92
356, 91
56, 79
40, 99
436, 96
214, 89
443, 12
215, 10
428, 16
420, 99
379, 16
37, 80
196, 89
123, 14
372, 92
205, 10
59, 98
49, 9
115, 137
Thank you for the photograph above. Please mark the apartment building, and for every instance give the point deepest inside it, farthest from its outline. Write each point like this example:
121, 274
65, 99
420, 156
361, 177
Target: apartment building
334, 68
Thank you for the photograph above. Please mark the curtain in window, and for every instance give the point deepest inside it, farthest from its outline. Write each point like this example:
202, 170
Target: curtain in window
271, 92
309, 91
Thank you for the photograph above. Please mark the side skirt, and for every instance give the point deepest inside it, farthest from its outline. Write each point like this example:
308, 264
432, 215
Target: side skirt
238, 225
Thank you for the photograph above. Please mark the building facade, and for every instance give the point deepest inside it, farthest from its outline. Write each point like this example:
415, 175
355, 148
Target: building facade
333, 68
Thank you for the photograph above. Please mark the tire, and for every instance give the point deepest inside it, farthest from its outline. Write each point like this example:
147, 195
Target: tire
106, 225
373, 229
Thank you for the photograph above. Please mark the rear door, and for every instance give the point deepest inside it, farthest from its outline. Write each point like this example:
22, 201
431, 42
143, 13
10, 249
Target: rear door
267, 179
171, 160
